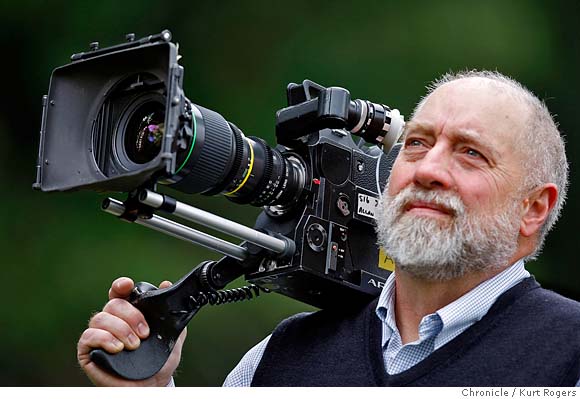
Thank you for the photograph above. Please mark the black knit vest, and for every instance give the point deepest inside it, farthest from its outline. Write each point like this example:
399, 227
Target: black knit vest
529, 337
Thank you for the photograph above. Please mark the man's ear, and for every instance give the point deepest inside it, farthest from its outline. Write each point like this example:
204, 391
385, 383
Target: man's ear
537, 207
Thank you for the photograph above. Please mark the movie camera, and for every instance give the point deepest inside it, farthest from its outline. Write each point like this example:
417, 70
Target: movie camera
116, 119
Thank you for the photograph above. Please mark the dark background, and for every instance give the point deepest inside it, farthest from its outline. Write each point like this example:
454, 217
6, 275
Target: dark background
59, 252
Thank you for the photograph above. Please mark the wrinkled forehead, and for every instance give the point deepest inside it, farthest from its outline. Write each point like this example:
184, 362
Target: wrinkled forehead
492, 108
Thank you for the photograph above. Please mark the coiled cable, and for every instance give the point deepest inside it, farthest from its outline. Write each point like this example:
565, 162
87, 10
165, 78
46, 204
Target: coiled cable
227, 296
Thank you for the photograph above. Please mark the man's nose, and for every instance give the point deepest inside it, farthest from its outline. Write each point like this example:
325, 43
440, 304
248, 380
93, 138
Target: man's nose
432, 171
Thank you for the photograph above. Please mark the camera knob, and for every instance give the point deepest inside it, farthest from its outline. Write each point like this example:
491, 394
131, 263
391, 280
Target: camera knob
343, 204
316, 237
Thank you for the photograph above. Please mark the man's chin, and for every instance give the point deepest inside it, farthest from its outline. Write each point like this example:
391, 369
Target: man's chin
428, 274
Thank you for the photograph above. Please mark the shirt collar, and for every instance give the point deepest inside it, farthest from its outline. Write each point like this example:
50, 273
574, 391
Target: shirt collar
460, 314
386, 307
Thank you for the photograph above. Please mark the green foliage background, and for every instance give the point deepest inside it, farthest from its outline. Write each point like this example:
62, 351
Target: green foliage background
59, 253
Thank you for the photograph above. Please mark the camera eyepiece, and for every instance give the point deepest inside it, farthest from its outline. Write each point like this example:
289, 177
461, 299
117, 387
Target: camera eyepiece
375, 123
313, 107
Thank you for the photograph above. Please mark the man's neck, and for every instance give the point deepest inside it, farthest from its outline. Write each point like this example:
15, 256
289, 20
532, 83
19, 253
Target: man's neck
415, 298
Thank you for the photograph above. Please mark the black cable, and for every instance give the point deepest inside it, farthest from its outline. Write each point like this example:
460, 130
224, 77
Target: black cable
228, 296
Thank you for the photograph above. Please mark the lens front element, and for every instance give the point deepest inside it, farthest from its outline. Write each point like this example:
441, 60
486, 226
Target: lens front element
144, 132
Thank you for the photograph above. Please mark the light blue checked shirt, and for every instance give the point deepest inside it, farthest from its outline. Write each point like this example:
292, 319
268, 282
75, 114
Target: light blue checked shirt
435, 330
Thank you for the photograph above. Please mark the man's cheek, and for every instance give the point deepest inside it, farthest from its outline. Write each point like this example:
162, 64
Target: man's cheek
398, 180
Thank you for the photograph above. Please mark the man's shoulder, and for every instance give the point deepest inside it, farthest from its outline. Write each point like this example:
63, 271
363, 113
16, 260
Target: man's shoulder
556, 303
327, 319
332, 345
530, 296
542, 308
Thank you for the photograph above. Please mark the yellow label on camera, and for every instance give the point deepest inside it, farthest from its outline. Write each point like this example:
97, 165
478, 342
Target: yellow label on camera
385, 261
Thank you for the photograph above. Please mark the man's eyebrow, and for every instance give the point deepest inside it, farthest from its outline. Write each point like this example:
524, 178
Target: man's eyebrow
418, 127
472, 136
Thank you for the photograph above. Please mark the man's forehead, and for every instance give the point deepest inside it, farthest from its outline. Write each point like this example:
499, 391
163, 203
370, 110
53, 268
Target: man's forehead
466, 133
480, 92
472, 105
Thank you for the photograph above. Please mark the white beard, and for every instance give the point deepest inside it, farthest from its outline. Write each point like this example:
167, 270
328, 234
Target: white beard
434, 249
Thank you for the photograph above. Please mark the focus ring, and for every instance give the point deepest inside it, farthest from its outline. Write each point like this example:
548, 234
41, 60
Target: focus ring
215, 157
278, 178
266, 177
239, 154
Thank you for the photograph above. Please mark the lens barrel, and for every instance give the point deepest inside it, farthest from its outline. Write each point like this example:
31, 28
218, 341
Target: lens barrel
221, 159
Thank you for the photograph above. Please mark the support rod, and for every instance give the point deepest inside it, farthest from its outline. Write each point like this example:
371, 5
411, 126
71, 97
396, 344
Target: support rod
174, 229
188, 212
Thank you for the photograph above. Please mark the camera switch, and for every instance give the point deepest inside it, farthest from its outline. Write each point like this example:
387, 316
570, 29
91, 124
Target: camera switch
333, 259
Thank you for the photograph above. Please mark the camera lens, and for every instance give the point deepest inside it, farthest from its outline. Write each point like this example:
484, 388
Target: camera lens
144, 132
212, 156
245, 169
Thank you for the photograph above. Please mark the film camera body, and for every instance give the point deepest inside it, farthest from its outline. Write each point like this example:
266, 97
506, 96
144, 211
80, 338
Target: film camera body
117, 119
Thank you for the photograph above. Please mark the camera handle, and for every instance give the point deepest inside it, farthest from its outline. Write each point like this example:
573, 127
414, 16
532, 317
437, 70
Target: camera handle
169, 310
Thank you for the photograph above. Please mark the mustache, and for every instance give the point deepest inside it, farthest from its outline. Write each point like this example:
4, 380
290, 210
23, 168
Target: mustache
447, 200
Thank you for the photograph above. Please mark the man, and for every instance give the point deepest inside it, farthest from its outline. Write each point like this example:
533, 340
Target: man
480, 180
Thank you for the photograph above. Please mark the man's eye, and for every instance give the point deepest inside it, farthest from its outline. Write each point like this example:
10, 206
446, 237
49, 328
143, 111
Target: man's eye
473, 153
414, 143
